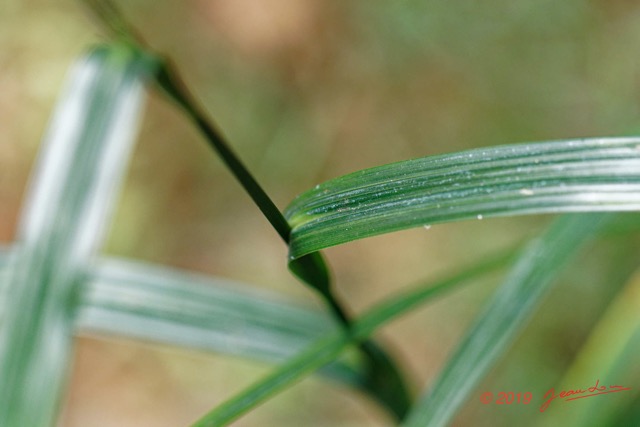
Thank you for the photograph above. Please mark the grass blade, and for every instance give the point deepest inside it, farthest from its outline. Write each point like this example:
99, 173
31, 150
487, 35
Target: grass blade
311, 269
62, 225
384, 378
609, 355
328, 348
504, 317
562, 176
168, 306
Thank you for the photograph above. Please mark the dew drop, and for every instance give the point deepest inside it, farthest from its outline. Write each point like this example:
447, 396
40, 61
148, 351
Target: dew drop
526, 192
427, 226
479, 217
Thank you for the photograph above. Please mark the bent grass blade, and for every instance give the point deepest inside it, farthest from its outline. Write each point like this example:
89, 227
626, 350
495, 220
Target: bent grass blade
311, 270
330, 347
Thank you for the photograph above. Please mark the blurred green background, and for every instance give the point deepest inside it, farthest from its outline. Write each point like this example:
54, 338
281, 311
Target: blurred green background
306, 90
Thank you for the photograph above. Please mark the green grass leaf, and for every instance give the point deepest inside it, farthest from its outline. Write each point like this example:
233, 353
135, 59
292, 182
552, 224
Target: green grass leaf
385, 380
327, 349
609, 356
178, 308
168, 306
563, 176
62, 226
504, 317
185, 309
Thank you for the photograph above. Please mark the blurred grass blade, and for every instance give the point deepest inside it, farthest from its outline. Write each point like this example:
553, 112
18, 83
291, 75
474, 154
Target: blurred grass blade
330, 347
76, 178
610, 355
5, 256
316, 356
168, 306
562, 176
178, 308
504, 317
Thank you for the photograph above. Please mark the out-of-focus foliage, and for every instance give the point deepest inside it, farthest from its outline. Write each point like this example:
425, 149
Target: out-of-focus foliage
78, 173
307, 90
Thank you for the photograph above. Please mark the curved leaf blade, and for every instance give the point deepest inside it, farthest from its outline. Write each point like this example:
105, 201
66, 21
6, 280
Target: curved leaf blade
561, 176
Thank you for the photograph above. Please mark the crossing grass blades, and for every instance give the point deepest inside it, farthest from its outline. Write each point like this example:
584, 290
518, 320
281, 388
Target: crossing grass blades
52, 287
